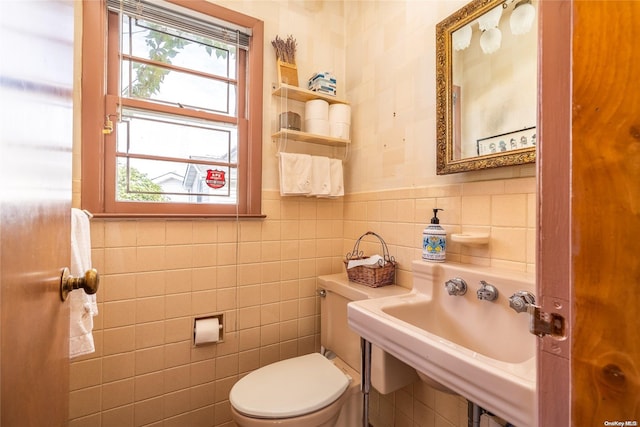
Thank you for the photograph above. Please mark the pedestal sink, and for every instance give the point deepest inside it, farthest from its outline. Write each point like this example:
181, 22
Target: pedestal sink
479, 349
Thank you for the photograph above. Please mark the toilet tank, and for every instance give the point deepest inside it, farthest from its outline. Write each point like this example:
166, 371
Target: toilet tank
387, 373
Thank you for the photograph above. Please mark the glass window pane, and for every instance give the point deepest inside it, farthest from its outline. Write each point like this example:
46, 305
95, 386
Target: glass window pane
185, 90
146, 133
142, 180
171, 46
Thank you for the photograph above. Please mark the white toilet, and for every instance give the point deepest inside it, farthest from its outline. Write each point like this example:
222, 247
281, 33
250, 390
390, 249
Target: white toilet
312, 390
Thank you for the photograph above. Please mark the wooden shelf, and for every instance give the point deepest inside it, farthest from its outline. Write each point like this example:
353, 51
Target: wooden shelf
296, 135
303, 95
300, 94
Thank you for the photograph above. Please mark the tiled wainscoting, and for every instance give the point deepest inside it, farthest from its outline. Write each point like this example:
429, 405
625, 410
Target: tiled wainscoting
158, 274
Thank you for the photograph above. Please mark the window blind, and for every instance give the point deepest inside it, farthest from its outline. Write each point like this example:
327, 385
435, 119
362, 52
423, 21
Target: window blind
174, 16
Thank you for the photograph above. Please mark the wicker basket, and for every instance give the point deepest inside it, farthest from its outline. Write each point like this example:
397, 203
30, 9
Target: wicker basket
380, 274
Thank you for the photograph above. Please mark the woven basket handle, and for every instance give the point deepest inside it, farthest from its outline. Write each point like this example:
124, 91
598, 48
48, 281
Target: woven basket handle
357, 253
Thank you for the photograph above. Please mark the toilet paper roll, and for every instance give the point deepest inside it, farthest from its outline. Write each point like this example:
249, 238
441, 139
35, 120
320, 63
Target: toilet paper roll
207, 331
340, 113
317, 126
316, 109
340, 130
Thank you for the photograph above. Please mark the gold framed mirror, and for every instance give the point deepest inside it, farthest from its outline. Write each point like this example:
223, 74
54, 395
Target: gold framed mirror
486, 86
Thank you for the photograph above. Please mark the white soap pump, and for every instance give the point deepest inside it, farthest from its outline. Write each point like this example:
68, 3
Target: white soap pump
434, 240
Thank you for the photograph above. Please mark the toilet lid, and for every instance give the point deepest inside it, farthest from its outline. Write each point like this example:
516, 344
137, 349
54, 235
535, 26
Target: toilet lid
289, 388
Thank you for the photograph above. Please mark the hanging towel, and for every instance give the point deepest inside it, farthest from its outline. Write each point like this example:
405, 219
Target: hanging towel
320, 176
295, 174
83, 307
337, 178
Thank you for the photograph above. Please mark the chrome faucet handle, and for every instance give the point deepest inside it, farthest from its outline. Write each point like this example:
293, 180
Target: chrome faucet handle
522, 301
540, 323
487, 292
456, 286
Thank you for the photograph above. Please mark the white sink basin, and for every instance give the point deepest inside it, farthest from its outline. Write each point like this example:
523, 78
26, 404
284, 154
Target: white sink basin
479, 349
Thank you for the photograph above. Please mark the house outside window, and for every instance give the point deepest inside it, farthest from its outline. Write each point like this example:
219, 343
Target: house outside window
181, 130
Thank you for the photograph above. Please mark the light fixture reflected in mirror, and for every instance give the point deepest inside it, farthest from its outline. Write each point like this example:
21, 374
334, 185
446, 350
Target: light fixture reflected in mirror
522, 17
462, 38
491, 37
490, 40
520, 21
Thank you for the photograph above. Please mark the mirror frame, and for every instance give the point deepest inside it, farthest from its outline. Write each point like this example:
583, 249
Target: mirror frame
445, 163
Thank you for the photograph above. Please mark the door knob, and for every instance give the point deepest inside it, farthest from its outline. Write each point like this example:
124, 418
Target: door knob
89, 282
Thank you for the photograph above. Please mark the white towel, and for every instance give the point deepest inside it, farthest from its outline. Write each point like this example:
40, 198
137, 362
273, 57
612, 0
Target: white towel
337, 178
83, 307
295, 174
372, 260
320, 176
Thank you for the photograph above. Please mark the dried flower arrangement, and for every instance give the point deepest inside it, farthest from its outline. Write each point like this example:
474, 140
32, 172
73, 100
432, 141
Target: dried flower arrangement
286, 58
285, 49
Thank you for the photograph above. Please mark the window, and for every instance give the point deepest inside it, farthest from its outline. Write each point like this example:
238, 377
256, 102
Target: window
177, 128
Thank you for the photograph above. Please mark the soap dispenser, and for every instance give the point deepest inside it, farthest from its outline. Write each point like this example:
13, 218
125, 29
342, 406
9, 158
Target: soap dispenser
434, 240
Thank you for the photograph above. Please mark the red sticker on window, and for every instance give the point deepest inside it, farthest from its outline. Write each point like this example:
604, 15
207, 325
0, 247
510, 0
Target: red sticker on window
215, 178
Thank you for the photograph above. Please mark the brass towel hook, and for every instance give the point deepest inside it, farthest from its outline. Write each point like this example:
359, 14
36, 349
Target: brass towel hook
68, 283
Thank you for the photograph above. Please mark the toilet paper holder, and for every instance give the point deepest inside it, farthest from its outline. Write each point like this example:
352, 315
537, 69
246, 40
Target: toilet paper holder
205, 338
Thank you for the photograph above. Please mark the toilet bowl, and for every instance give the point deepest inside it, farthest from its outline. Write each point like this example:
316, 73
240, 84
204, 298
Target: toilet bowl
305, 391
311, 390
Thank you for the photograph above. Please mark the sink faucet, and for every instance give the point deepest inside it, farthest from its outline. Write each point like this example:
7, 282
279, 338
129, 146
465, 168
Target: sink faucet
522, 301
456, 286
487, 292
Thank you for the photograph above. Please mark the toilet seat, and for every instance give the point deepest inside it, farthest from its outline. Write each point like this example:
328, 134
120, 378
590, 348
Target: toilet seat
289, 388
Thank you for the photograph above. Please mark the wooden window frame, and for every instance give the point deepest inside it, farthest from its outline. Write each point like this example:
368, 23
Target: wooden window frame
98, 166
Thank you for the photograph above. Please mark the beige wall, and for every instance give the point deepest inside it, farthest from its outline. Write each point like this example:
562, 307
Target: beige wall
158, 274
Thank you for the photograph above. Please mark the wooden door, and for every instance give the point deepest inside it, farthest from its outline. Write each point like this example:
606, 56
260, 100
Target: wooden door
36, 80
589, 210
